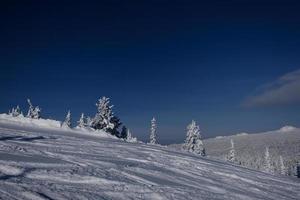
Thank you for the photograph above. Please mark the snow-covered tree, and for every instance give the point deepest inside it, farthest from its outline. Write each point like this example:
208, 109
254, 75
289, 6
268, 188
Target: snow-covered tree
89, 121
37, 112
67, 122
16, 111
193, 142
104, 114
130, 138
231, 156
33, 112
126, 135
104, 118
82, 121
267, 162
30, 110
283, 170
153, 133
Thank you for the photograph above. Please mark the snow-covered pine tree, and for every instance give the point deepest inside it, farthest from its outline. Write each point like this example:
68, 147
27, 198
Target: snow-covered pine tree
104, 114
81, 122
129, 135
67, 122
231, 156
104, 118
30, 109
37, 112
33, 112
283, 170
267, 162
193, 142
153, 133
16, 111
89, 121
130, 138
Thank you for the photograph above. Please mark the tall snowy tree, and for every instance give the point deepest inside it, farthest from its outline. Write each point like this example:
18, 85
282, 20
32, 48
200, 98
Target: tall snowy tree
30, 110
153, 133
37, 113
33, 112
81, 122
268, 163
231, 156
193, 142
67, 122
283, 170
16, 111
105, 119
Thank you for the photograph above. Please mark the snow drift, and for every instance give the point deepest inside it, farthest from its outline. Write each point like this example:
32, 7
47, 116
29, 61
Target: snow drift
25, 121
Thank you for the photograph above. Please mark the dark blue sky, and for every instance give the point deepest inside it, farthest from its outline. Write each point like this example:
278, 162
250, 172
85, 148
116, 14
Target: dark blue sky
176, 60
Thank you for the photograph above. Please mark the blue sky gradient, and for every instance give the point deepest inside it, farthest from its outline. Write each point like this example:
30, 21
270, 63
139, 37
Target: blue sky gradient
175, 60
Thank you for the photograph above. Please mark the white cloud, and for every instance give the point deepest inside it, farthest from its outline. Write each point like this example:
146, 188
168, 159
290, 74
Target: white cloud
283, 91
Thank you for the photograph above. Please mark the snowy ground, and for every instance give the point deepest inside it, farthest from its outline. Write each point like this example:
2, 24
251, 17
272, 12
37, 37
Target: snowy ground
49, 163
250, 148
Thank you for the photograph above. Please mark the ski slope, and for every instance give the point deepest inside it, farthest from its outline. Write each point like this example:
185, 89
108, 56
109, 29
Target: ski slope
42, 163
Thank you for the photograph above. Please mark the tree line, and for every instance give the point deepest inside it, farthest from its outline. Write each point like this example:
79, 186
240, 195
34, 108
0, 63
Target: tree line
106, 121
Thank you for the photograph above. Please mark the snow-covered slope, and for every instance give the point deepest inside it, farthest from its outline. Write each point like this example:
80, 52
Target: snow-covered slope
250, 148
48, 163
24, 121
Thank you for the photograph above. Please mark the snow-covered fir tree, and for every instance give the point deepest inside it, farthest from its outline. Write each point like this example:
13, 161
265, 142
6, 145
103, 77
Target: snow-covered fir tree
267, 162
193, 142
283, 170
129, 135
30, 109
33, 112
104, 118
153, 133
82, 121
16, 111
37, 113
67, 122
89, 122
231, 156
130, 138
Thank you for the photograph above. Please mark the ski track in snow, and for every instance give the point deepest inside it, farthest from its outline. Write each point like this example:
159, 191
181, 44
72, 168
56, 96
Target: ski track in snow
45, 164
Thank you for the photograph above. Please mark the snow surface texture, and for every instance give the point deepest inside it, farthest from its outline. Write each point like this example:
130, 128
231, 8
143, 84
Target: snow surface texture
39, 162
